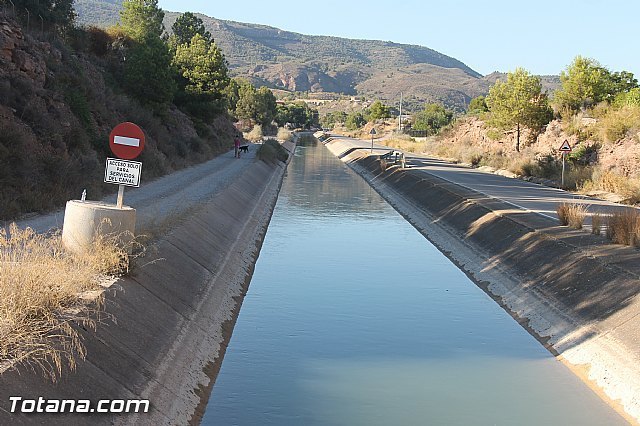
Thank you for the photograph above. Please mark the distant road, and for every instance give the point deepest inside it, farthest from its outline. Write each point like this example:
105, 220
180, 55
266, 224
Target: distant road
521, 194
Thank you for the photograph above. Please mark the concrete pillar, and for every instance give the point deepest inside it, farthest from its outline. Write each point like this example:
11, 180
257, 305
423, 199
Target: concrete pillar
83, 220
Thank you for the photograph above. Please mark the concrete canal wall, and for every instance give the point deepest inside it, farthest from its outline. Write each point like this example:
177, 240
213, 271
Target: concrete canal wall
172, 317
576, 293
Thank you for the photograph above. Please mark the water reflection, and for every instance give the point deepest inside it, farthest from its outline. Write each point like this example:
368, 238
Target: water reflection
319, 190
353, 318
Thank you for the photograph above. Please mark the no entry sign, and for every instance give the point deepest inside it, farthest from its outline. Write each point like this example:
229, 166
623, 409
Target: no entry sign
126, 141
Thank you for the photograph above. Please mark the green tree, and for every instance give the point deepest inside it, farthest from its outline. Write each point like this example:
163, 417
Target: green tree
330, 119
59, 13
378, 110
148, 74
203, 76
141, 19
187, 26
266, 110
478, 105
246, 106
232, 95
257, 105
354, 121
433, 118
621, 82
584, 83
630, 98
297, 114
518, 102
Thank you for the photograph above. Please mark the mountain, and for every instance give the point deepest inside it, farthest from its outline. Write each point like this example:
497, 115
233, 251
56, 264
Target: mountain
320, 64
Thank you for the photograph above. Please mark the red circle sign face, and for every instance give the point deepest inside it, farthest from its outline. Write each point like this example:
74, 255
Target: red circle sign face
126, 141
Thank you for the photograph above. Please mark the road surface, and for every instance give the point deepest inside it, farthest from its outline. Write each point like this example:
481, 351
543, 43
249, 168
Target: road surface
521, 194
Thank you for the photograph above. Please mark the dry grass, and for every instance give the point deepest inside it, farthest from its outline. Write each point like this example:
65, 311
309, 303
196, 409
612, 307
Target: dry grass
605, 180
624, 227
255, 135
46, 290
284, 134
572, 214
596, 223
403, 143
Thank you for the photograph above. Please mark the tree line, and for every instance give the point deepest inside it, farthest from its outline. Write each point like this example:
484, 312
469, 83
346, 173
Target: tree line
188, 69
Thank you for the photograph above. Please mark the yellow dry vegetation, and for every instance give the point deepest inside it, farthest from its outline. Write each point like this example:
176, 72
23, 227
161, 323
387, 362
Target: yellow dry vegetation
46, 291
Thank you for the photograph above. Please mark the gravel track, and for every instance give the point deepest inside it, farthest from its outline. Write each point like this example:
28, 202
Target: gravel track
167, 196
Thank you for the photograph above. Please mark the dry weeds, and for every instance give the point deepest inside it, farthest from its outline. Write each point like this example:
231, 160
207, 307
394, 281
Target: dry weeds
284, 134
624, 227
571, 214
45, 291
596, 223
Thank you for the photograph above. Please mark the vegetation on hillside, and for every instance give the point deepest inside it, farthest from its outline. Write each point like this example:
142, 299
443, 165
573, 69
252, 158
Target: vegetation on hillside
63, 89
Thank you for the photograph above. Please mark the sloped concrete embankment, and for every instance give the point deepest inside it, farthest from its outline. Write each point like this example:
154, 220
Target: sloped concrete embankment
173, 316
573, 291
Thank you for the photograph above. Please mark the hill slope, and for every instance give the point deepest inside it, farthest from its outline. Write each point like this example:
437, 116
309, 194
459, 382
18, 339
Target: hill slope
298, 62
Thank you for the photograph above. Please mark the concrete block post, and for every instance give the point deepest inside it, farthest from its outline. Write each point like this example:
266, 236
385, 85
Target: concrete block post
84, 220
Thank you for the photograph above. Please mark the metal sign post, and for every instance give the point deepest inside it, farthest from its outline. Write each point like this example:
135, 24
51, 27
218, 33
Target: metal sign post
372, 132
120, 196
563, 163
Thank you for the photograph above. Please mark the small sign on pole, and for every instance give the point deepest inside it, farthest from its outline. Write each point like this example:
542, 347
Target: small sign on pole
122, 172
372, 132
126, 141
564, 149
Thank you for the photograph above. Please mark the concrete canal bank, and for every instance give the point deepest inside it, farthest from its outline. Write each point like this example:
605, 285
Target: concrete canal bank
575, 293
171, 319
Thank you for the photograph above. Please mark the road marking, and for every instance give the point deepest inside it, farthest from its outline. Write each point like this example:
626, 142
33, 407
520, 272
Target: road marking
123, 140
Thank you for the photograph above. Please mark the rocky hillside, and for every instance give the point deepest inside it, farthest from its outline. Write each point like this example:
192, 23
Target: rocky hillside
297, 62
57, 108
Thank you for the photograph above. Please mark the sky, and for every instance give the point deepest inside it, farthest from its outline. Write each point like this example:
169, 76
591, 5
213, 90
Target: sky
542, 36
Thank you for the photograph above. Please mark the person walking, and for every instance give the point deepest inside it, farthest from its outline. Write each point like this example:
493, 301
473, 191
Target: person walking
236, 143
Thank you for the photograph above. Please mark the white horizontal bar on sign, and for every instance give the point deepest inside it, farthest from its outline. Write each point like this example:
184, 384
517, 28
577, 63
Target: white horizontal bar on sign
123, 140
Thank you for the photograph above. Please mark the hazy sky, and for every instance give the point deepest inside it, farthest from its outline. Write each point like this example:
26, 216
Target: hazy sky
542, 36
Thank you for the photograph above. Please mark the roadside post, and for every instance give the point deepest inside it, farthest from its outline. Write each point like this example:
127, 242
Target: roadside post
564, 149
372, 132
85, 220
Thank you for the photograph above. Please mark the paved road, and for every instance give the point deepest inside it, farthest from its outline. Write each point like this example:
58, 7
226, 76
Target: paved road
521, 194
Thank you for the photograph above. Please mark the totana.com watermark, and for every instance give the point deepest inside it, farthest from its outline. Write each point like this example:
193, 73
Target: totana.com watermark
41, 405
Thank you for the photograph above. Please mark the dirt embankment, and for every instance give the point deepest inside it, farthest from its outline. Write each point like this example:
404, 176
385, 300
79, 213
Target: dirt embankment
577, 296
173, 316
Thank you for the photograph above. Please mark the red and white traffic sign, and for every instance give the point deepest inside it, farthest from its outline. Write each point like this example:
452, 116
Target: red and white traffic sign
126, 141
565, 147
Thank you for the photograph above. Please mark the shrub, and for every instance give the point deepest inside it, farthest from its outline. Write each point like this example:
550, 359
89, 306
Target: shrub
624, 227
609, 181
284, 134
571, 214
617, 123
255, 135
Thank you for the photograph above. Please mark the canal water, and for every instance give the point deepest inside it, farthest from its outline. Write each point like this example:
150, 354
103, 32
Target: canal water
354, 318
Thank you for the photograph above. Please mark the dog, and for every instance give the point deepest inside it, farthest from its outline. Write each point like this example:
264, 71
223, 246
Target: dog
244, 148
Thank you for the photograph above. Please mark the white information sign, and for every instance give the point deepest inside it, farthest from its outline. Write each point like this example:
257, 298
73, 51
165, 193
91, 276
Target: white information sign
123, 172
